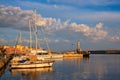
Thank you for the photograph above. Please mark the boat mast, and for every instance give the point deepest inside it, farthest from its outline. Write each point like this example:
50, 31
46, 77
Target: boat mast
30, 34
20, 39
46, 40
36, 36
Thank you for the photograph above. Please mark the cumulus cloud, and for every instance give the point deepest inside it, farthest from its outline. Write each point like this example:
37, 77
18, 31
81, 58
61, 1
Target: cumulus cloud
52, 24
17, 18
95, 33
14, 17
115, 38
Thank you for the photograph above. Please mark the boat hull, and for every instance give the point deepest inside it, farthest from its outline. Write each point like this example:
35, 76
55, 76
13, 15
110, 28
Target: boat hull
31, 65
86, 55
52, 56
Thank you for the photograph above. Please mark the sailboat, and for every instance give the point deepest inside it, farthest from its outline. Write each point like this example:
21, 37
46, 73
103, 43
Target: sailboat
26, 63
31, 60
42, 53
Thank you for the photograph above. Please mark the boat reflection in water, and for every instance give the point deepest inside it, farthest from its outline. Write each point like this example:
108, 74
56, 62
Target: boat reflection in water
86, 59
30, 74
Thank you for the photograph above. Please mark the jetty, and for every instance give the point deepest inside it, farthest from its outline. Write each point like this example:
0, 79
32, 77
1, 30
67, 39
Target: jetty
72, 54
77, 53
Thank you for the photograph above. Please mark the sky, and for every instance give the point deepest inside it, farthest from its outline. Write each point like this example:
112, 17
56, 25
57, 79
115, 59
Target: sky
95, 23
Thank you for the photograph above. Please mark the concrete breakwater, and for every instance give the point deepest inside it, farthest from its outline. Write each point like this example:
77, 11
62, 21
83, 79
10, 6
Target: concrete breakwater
105, 52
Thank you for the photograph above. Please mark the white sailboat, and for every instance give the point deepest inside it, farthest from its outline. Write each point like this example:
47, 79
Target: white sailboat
42, 53
31, 64
31, 60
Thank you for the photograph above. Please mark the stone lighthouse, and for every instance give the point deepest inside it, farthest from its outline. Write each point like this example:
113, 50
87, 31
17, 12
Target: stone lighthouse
78, 47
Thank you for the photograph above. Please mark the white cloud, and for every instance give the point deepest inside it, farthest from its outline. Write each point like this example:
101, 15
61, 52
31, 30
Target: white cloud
15, 17
82, 14
115, 38
96, 33
51, 24
99, 26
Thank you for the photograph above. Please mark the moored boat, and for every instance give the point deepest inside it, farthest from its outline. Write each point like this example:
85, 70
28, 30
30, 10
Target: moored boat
23, 64
31, 60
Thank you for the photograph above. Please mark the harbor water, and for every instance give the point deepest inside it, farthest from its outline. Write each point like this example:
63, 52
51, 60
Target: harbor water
96, 67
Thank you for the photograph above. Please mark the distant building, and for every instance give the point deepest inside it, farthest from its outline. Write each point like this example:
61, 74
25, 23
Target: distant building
22, 48
18, 49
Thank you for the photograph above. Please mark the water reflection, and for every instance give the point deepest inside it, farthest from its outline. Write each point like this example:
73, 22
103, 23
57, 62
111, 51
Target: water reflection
2, 71
70, 61
86, 59
30, 74
97, 67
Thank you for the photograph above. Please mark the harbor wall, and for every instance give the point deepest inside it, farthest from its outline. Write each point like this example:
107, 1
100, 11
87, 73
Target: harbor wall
105, 52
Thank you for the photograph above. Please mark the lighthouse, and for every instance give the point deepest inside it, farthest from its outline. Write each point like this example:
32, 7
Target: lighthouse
78, 47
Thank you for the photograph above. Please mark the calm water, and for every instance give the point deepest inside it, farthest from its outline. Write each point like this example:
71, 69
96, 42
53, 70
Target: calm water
97, 67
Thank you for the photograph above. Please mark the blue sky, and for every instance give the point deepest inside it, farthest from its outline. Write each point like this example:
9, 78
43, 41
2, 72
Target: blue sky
96, 23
